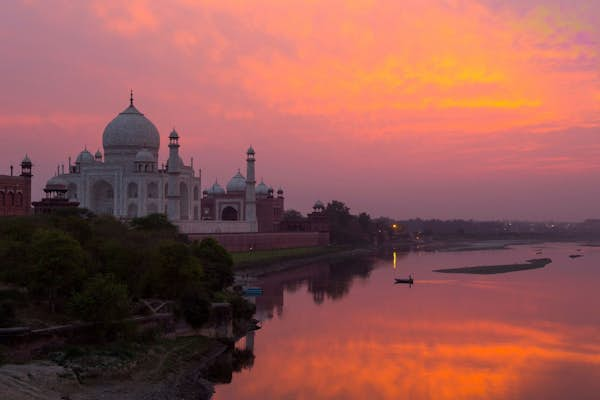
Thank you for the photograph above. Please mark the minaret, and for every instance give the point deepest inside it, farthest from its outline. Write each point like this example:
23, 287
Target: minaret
26, 165
173, 171
250, 185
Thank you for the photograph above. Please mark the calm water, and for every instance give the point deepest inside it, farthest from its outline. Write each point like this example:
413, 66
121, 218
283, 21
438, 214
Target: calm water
345, 331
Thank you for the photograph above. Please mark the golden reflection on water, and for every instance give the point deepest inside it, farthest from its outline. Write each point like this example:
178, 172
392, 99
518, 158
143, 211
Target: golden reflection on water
477, 360
433, 341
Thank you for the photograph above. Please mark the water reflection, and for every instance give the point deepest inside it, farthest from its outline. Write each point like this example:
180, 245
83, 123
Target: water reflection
525, 335
323, 281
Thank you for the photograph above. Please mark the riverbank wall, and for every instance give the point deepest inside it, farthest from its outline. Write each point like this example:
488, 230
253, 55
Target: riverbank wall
256, 270
236, 242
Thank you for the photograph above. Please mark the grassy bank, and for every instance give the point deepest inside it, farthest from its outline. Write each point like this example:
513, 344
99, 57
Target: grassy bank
265, 257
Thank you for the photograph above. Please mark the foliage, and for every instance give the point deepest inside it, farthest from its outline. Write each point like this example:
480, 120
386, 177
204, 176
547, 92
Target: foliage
102, 299
344, 227
16, 266
7, 313
175, 269
292, 215
195, 306
216, 262
154, 222
59, 264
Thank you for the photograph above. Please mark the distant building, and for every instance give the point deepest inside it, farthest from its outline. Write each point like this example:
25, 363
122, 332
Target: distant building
56, 198
316, 221
218, 204
15, 191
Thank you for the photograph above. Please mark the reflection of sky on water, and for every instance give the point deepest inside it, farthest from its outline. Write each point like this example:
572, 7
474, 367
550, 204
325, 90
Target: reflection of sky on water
347, 332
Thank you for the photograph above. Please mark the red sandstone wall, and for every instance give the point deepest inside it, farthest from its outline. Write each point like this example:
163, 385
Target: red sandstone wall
267, 241
15, 195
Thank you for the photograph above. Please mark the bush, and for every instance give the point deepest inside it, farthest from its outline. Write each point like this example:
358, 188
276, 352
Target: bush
154, 222
216, 262
174, 270
195, 306
7, 313
59, 265
241, 308
102, 299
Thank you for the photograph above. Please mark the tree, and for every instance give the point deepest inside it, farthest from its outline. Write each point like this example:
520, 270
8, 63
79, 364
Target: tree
59, 264
176, 269
364, 220
102, 299
154, 222
216, 262
292, 215
195, 306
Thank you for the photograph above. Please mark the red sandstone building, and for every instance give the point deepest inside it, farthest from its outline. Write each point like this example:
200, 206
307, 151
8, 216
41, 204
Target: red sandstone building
230, 205
15, 191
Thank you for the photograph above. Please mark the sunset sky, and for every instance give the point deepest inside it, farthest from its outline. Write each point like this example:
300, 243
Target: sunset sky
482, 109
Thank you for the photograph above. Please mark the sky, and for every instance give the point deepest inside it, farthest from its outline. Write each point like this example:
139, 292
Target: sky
481, 109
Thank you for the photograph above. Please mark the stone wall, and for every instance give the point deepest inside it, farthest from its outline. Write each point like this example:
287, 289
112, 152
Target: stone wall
267, 241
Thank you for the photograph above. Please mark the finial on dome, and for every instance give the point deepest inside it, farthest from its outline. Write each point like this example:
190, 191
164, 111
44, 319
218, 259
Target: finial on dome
131, 97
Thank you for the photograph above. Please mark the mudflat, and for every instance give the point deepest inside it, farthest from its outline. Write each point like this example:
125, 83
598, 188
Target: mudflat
498, 269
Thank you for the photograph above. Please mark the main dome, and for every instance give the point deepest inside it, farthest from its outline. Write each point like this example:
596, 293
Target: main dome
130, 129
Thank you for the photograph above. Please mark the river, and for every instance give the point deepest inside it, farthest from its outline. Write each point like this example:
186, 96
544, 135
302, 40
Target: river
346, 331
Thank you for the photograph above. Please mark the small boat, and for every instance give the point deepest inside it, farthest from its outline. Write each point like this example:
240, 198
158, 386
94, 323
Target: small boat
575, 255
252, 291
410, 280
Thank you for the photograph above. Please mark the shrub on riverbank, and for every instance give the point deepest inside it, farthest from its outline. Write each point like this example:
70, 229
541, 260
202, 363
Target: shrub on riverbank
92, 266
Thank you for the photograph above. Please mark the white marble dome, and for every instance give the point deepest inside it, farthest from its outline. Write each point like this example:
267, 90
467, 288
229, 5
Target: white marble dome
56, 183
144, 156
85, 157
237, 183
130, 129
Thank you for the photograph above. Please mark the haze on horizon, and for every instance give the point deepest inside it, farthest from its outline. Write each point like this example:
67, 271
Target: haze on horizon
480, 109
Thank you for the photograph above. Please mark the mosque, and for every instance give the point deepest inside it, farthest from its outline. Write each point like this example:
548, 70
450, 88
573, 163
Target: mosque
127, 181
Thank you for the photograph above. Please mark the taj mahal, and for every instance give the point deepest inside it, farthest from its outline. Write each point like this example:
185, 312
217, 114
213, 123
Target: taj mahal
126, 181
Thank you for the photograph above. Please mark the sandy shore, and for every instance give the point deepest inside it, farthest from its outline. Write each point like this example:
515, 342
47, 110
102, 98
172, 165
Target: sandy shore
497, 269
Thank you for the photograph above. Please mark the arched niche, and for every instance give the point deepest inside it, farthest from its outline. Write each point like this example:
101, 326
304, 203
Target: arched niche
229, 213
102, 199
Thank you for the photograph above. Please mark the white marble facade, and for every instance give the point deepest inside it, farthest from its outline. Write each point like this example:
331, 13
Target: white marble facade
127, 180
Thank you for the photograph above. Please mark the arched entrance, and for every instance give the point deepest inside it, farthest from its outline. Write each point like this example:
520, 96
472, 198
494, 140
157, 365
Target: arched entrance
229, 214
102, 198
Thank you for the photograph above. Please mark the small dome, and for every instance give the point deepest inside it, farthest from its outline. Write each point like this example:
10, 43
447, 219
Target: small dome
280, 191
319, 205
262, 189
56, 183
26, 160
237, 183
98, 154
84, 157
144, 156
216, 189
250, 151
174, 134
